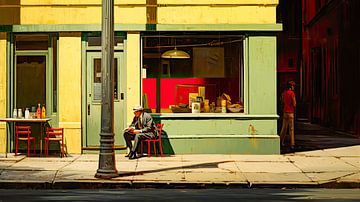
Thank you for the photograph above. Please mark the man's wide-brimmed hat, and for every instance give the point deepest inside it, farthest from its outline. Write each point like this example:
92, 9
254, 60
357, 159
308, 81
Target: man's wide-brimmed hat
138, 108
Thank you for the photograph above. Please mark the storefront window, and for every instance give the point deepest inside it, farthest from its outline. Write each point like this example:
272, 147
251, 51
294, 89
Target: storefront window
209, 80
30, 77
36, 71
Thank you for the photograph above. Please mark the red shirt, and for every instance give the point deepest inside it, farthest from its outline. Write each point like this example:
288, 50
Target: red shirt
288, 101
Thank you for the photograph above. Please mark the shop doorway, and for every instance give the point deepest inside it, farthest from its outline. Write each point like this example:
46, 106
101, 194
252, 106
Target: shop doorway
93, 99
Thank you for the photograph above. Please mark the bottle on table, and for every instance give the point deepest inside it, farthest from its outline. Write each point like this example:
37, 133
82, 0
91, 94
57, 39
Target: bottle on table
20, 115
38, 112
27, 113
15, 113
206, 106
43, 112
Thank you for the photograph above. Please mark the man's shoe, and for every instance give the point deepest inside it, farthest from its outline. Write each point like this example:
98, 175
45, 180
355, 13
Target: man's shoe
133, 155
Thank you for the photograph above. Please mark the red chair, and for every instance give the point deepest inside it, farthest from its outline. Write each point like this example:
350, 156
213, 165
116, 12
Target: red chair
54, 134
159, 128
23, 133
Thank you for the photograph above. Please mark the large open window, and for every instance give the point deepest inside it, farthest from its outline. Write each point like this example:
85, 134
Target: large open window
211, 73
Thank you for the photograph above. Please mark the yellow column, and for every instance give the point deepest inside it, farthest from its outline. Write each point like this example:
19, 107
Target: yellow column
70, 89
133, 90
2, 91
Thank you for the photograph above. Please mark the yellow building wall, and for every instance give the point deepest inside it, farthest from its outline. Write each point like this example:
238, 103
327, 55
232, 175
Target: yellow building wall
217, 15
80, 12
132, 73
2, 91
77, 15
217, 11
70, 90
134, 12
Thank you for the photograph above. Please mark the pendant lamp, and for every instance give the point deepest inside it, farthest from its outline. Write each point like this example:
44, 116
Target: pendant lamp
175, 54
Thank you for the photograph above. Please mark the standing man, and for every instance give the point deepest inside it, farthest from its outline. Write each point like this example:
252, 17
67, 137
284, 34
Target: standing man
288, 114
142, 127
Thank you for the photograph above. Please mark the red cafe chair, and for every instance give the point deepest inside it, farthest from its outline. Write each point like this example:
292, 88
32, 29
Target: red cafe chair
54, 134
23, 133
157, 139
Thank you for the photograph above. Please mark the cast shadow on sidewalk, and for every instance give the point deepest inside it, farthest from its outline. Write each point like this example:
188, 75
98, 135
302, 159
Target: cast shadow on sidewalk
201, 165
309, 137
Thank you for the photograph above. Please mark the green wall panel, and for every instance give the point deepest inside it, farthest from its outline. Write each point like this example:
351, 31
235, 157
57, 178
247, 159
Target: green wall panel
219, 136
262, 75
213, 127
222, 146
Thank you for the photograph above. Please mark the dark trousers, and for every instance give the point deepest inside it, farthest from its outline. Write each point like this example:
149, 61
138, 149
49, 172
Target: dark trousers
137, 139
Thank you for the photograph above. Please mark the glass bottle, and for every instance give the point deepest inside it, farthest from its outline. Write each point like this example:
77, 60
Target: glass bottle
27, 113
15, 113
38, 112
43, 112
206, 106
20, 115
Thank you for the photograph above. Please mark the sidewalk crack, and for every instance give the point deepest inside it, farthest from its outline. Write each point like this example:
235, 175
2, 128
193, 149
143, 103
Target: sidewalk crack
340, 158
292, 162
58, 170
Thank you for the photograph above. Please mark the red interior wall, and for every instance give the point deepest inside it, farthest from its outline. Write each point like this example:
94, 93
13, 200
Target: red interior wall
174, 91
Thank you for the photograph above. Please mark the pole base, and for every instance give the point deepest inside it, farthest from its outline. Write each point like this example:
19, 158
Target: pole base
106, 175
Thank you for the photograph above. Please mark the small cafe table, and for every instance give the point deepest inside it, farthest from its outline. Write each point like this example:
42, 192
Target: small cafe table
10, 121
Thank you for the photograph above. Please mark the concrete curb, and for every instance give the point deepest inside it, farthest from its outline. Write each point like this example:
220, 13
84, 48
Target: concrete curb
108, 184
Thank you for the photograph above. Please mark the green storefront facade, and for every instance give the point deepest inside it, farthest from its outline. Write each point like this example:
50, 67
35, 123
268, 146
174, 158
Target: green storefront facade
139, 47
251, 132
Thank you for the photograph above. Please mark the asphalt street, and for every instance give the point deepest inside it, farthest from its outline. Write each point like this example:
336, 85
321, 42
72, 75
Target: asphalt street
187, 195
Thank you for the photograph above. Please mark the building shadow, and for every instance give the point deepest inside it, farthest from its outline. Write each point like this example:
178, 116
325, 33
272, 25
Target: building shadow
194, 166
309, 137
167, 147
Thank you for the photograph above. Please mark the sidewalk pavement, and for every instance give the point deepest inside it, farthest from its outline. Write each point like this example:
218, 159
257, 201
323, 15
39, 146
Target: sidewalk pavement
331, 168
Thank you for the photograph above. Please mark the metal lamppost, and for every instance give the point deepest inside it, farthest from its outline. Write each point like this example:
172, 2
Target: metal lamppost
107, 167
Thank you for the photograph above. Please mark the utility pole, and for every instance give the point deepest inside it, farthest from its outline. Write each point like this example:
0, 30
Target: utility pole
107, 167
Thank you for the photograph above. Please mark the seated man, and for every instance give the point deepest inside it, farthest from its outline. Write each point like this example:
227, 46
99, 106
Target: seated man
142, 127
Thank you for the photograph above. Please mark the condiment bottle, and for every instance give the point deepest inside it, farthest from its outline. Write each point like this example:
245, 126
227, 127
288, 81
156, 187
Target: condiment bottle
19, 113
206, 106
27, 113
38, 112
15, 113
43, 112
